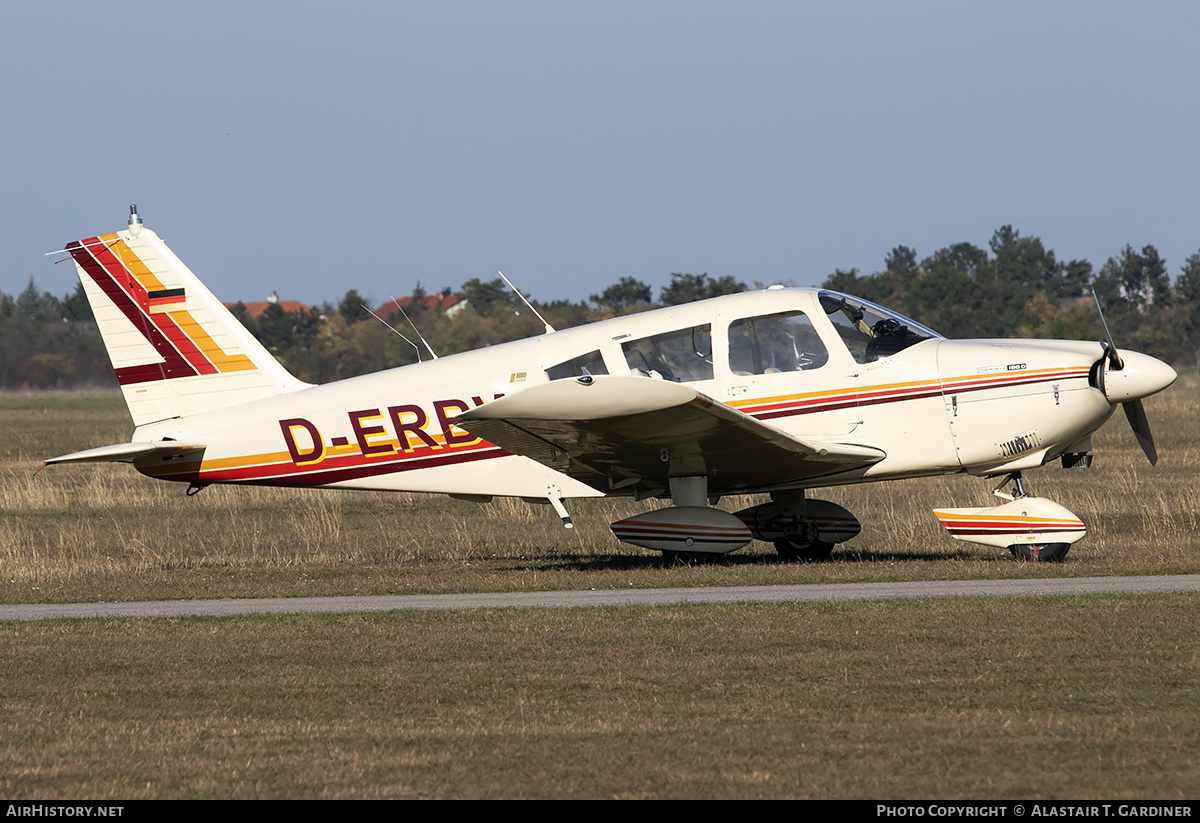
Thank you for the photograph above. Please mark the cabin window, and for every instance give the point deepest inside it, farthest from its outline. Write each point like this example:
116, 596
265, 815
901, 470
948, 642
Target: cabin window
775, 343
590, 363
869, 331
681, 356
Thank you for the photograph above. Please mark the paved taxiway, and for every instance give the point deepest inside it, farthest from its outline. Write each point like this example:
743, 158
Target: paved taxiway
611, 597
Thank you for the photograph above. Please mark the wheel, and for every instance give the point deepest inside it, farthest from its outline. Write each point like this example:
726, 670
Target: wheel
814, 551
1044, 552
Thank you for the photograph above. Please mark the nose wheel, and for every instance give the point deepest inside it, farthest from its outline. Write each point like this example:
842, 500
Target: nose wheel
1031, 528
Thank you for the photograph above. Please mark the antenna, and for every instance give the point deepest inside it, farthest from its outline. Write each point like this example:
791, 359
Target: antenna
549, 328
402, 337
414, 328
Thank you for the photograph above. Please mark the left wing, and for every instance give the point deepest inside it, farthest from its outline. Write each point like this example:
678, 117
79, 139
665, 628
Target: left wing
613, 432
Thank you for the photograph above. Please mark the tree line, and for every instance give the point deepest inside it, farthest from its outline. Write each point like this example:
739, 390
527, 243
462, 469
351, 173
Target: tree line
1016, 287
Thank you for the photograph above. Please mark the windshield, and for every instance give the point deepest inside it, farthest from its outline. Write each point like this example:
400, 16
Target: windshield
872, 332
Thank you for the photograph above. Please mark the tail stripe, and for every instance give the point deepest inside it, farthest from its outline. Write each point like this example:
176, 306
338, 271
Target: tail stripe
183, 344
88, 256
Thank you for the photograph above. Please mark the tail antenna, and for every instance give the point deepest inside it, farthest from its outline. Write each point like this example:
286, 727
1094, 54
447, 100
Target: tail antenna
549, 328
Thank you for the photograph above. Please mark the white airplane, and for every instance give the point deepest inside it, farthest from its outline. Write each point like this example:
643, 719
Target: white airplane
774, 392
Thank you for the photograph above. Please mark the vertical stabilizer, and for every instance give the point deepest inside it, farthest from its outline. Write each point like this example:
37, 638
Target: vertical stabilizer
176, 349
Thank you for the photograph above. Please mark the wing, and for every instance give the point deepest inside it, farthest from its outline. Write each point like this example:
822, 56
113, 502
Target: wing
614, 432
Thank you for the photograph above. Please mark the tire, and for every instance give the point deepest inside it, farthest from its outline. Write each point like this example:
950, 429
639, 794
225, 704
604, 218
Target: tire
816, 551
1041, 552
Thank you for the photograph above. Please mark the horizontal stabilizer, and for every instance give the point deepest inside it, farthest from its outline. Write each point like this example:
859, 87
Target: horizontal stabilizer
129, 452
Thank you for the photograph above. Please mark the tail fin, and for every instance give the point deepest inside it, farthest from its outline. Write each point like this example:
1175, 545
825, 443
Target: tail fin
176, 349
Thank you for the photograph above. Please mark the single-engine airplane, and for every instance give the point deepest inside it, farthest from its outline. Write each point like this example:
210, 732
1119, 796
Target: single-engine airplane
776, 391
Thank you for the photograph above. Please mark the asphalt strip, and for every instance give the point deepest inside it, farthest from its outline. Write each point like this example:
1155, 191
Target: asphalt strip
609, 597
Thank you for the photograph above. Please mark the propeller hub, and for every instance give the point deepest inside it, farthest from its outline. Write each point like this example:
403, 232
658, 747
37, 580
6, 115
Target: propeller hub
1140, 376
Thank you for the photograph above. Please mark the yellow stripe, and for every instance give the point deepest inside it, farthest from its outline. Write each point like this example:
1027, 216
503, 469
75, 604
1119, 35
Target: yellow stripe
137, 268
196, 333
183, 318
1012, 517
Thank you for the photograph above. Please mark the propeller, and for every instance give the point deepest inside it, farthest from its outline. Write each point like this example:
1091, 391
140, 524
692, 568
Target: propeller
1141, 376
1135, 412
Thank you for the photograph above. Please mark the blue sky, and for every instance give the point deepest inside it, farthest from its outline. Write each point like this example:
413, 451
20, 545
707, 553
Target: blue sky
308, 148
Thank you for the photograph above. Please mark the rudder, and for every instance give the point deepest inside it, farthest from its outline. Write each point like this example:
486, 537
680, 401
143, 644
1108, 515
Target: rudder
176, 349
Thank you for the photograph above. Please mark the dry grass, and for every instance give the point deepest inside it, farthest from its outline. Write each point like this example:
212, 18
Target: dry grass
106, 532
1063, 697
1059, 697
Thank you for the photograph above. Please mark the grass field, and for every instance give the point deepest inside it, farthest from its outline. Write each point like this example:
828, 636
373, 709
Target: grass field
1057, 697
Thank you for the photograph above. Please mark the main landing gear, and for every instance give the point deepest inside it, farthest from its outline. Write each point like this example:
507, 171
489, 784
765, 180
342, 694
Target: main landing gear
800, 529
1031, 528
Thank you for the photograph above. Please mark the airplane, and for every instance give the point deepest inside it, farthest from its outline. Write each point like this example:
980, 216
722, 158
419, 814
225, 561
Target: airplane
774, 392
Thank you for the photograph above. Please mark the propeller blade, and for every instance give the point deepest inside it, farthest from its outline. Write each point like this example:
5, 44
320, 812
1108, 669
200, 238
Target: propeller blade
1136, 412
1114, 359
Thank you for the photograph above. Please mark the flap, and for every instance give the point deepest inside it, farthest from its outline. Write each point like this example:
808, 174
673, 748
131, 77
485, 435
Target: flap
613, 432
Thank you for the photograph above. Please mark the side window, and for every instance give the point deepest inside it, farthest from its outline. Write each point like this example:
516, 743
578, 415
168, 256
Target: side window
775, 343
872, 332
681, 356
590, 363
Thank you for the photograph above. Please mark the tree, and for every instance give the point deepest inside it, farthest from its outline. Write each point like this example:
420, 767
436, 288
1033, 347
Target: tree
76, 306
947, 300
688, 288
1187, 296
489, 297
845, 280
353, 307
40, 305
1076, 279
901, 263
624, 294
1136, 280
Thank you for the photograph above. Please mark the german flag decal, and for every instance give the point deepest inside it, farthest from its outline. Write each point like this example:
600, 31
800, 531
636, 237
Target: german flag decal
165, 300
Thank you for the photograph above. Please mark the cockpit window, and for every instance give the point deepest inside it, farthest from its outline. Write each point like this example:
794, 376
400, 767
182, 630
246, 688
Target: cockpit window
590, 363
869, 331
775, 343
681, 356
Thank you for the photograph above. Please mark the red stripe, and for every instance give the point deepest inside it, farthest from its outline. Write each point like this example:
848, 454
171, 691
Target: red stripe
164, 322
629, 536
174, 365
679, 531
181, 356
1014, 528
329, 471
883, 395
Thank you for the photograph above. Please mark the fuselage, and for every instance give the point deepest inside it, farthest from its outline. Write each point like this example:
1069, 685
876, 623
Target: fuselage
796, 359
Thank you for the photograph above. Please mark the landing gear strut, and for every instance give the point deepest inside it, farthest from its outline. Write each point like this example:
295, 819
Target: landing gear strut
1044, 552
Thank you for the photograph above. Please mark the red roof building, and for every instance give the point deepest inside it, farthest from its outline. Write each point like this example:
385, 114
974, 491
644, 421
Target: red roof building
442, 300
